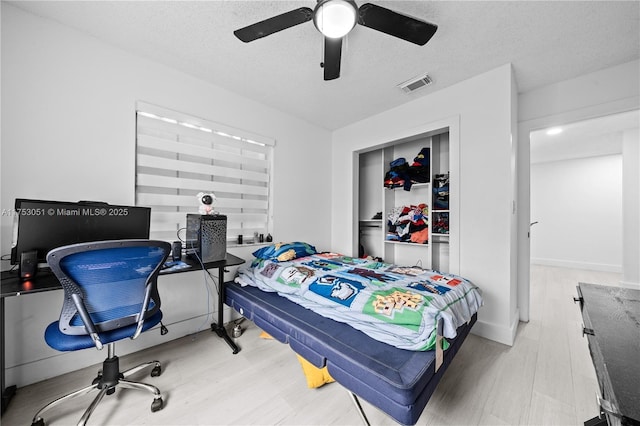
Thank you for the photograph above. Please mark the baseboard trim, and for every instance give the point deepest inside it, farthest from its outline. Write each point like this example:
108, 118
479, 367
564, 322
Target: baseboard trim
497, 333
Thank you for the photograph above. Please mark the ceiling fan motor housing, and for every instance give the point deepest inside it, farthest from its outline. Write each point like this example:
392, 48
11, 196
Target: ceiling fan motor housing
335, 18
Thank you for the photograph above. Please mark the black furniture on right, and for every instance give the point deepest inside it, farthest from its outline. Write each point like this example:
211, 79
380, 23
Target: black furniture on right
612, 325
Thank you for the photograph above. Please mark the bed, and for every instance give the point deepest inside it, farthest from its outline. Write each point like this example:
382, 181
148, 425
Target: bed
398, 381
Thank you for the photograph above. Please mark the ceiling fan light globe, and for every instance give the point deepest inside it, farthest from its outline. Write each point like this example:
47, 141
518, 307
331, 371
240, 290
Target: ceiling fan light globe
335, 18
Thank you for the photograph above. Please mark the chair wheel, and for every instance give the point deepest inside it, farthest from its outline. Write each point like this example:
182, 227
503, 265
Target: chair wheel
157, 405
157, 370
39, 422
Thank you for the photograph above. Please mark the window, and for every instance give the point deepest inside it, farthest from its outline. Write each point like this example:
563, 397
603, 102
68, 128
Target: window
178, 156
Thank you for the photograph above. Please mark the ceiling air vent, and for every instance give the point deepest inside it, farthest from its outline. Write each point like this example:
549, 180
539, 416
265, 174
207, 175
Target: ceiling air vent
415, 83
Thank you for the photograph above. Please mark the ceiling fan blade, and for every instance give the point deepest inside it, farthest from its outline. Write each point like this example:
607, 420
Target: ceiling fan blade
274, 24
332, 55
396, 24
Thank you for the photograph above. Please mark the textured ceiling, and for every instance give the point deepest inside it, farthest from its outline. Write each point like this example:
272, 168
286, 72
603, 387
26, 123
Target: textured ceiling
546, 42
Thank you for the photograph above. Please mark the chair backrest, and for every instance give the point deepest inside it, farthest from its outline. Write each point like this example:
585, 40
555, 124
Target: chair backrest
108, 284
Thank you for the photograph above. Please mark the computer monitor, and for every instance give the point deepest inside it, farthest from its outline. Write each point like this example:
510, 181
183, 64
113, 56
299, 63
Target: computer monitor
44, 225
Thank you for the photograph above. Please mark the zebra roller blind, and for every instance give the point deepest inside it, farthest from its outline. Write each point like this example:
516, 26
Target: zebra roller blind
178, 156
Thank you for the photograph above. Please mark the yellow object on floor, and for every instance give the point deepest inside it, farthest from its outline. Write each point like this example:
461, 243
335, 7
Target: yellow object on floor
265, 335
316, 377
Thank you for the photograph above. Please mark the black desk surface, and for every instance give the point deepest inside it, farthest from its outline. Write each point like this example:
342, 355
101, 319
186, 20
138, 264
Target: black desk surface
613, 313
45, 280
12, 285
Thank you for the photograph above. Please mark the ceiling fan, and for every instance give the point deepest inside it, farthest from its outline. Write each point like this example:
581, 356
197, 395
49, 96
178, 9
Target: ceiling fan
335, 19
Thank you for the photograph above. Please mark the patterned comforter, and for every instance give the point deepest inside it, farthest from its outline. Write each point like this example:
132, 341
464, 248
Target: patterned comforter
397, 305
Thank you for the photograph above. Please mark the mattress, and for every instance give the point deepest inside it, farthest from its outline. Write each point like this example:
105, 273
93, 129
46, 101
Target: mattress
398, 305
397, 381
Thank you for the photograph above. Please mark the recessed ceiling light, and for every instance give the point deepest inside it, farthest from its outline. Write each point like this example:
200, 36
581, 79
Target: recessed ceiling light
554, 131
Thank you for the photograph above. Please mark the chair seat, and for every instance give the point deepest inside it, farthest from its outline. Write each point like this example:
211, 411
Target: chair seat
64, 342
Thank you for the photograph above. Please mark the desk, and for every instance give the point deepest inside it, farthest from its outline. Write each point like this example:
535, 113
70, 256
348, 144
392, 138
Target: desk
612, 325
12, 285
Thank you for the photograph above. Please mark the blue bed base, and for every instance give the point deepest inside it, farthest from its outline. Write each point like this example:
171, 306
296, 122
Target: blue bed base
397, 381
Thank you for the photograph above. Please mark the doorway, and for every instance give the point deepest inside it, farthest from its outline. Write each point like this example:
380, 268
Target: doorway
608, 144
576, 193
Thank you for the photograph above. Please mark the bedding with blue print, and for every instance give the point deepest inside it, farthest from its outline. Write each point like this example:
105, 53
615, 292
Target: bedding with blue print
397, 305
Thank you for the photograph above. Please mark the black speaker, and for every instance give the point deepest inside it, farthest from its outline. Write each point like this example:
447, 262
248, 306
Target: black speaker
28, 264
176, 250
207, 236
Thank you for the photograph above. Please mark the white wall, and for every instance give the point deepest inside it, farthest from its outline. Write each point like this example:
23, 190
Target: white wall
608, 91
631, 208
68, 133
483, 105
578, 204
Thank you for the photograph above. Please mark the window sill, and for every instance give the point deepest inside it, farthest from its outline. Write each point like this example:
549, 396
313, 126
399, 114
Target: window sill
233, 245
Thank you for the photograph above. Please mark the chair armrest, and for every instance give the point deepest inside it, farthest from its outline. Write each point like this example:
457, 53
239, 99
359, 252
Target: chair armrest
139, 327
86, 319
145, 304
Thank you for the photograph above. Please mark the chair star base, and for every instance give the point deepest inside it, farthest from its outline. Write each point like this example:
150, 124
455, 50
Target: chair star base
106, 382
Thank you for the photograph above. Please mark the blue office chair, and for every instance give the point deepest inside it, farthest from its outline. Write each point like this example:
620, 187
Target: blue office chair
110, 293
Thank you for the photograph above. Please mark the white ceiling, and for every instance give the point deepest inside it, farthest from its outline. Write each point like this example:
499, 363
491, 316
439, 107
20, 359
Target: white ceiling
546, 41
589, 138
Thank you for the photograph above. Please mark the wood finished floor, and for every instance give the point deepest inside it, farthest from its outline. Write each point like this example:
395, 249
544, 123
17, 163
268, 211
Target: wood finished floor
546, 378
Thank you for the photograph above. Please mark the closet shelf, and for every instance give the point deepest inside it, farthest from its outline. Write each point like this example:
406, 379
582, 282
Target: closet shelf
413, 185
407, 243
371, 223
